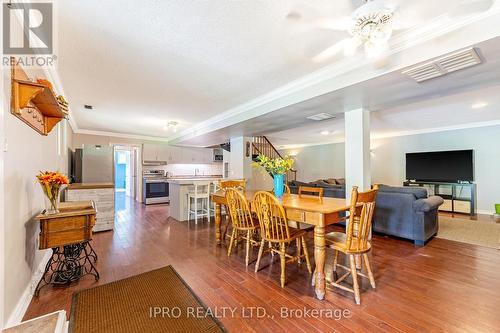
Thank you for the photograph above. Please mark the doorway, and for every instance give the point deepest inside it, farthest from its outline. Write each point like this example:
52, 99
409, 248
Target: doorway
125, 175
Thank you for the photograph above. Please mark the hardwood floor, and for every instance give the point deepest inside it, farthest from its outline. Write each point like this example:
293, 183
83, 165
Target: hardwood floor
444, 286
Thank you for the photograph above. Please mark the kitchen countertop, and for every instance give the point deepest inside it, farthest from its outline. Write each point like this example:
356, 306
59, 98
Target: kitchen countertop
191, 180
89, 186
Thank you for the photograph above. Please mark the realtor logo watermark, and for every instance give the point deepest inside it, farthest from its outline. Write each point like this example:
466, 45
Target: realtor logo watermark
28, 33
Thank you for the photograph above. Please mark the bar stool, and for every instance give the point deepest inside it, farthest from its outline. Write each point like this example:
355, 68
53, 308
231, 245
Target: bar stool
199, 195
214, 187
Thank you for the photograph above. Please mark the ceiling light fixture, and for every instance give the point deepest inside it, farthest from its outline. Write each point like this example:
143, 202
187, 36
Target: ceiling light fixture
324, 132
320, 116
479, 105
373, 26
171, 124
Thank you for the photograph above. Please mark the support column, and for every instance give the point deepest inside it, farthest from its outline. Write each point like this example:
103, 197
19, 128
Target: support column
357, 150
240, 165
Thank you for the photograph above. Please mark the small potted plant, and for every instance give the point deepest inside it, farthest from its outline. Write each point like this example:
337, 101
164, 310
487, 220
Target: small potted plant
52, 183
277, 167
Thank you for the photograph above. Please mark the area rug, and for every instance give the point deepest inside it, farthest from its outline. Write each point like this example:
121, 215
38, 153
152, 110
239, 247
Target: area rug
156, 301
470, 232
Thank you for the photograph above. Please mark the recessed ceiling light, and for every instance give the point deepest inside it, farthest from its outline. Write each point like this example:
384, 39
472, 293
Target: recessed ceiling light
324, 132
479, 105
320, 116
88, 107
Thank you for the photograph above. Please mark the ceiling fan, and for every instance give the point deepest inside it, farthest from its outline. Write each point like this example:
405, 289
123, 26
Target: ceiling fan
373, 23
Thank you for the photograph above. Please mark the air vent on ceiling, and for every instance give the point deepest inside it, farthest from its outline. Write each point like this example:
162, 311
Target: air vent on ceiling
320, 116
444, 65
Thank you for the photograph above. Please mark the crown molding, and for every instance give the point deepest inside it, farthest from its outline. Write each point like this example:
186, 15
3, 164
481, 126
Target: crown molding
296, 91
121, 135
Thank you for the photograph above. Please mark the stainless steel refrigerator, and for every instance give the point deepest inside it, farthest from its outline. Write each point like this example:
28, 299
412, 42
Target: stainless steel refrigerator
92, 164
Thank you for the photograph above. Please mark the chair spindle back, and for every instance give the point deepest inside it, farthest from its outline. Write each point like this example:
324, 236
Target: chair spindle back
234, 183
272, 217
239, 209
311, 190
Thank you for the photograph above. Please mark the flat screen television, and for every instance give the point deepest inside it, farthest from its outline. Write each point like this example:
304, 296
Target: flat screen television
441, 166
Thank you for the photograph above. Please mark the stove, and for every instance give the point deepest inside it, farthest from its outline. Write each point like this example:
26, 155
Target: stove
155, 188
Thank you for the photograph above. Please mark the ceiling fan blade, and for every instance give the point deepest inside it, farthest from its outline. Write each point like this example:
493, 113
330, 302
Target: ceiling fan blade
341, 23
346, 45
469, 7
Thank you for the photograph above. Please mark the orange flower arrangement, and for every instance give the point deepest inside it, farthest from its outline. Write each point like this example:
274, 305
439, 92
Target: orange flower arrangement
51, 182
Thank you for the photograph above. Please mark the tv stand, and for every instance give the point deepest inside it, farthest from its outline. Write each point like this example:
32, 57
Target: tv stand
458, 197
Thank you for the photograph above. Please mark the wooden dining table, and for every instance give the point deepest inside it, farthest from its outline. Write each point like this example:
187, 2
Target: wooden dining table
304, 209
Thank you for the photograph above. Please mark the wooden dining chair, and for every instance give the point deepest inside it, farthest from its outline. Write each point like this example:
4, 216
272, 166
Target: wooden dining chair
242, 221
239, 184
234, 183
355, 241
274, 229
318, 191
287, 189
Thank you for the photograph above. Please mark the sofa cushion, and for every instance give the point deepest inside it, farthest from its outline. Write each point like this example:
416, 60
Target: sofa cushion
418, 192
340, 181
331, 181
297, 183
322, 183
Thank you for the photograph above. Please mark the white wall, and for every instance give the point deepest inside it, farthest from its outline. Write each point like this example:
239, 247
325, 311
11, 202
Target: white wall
318, 162
3, 106
28, 153
388, 159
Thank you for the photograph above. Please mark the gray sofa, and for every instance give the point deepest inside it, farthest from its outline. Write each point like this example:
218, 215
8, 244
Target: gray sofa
405, 212
329, 190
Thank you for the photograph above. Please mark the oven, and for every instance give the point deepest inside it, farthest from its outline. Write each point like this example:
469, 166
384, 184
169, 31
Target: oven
155, 189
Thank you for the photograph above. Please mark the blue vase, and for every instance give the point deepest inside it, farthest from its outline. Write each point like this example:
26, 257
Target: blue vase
279, 185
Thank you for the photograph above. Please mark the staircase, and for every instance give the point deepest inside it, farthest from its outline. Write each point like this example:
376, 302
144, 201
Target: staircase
262, 145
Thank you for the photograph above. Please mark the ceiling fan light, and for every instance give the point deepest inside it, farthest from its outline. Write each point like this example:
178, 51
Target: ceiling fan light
374, 49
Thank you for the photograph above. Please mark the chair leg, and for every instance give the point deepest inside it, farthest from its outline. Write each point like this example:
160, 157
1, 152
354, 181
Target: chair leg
228, 221
248, 248
335, 261
270, 247
359, 264
233, 235
297, 242
306, 254
261, 249
195, 210
354, 274
283, 264
369, 270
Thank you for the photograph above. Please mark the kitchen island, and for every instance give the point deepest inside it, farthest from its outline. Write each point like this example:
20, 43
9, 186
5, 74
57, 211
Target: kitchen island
178, 193
103, 195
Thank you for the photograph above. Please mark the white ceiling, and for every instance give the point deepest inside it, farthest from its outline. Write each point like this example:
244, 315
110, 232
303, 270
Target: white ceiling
400, 105
476, 108
144, 63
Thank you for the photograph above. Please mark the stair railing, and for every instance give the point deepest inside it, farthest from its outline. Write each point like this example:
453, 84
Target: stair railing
262, 145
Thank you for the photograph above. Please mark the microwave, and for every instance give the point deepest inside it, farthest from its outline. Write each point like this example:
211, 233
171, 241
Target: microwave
218, 155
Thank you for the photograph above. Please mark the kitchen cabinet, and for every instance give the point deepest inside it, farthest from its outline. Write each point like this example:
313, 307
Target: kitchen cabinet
155, 152
176, 155
163, 152
149, 152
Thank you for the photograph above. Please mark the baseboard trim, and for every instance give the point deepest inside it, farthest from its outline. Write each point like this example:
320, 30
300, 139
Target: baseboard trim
485, 212
22, 305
